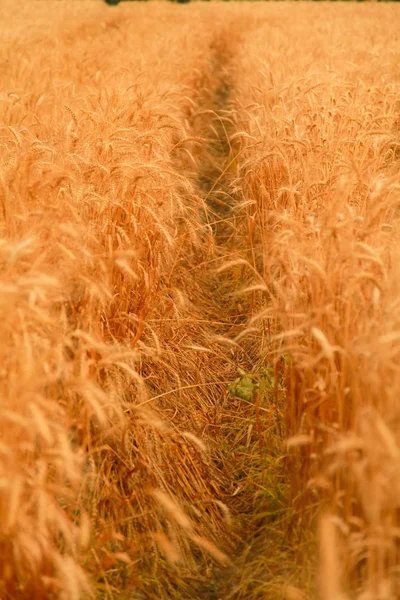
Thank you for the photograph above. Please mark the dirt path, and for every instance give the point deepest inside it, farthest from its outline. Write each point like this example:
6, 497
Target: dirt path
213, 120
262, 562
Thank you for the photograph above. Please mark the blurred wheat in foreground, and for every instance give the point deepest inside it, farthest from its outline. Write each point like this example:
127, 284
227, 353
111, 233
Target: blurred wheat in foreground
199, 301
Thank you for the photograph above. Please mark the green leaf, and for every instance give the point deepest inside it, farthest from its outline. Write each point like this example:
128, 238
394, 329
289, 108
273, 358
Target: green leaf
243, 387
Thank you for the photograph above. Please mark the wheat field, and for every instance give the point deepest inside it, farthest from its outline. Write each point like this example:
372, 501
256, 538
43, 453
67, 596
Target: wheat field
200, 301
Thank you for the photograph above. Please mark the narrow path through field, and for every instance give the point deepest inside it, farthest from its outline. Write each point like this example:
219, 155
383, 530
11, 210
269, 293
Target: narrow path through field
215, 119
254, 494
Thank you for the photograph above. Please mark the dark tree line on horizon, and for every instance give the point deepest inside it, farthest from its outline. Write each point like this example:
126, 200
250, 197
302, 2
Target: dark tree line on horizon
115, 2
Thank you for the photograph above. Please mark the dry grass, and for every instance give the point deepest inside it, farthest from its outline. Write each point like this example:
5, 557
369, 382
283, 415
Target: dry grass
126, 467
